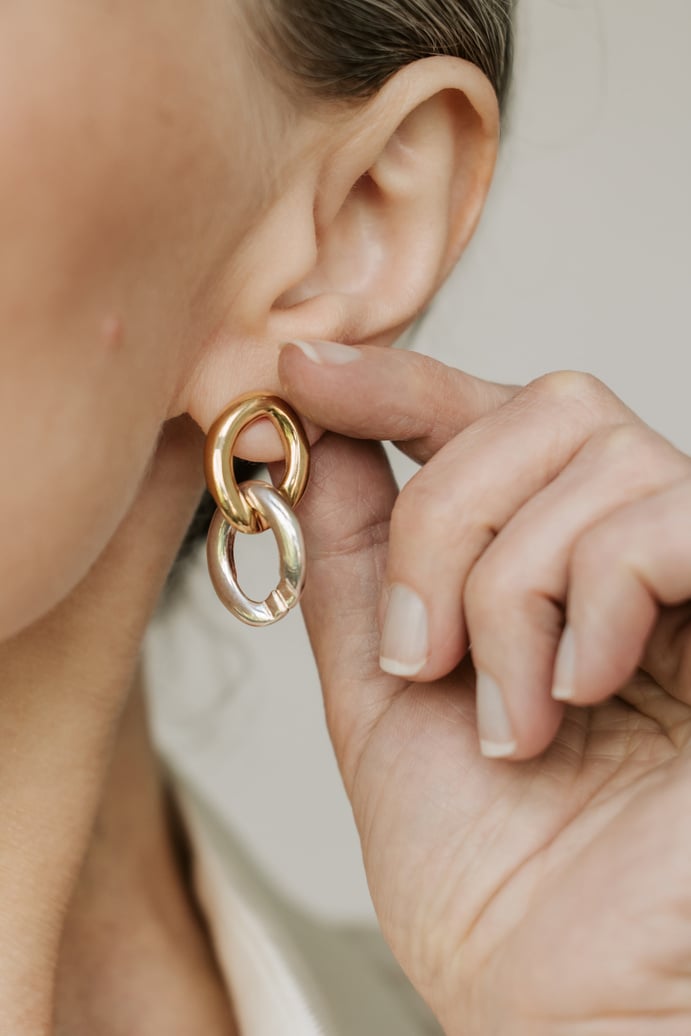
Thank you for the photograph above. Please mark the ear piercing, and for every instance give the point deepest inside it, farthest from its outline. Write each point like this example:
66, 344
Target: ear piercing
255, 507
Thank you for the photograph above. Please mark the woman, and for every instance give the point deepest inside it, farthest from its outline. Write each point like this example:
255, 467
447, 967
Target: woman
158, 252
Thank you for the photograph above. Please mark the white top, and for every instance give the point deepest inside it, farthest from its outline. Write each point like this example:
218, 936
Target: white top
290, 974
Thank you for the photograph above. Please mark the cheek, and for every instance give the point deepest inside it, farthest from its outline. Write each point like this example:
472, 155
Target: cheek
119, 202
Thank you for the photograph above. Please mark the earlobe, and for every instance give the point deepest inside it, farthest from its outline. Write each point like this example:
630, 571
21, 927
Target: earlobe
398, 201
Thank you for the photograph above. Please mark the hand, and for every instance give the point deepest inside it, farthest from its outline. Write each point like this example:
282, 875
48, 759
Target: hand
63, 684
550, 896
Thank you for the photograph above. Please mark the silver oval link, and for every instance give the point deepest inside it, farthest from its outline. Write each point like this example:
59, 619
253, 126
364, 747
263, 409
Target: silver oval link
279, 517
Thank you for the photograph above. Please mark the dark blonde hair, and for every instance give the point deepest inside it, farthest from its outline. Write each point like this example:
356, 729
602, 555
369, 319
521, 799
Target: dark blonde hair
349, 48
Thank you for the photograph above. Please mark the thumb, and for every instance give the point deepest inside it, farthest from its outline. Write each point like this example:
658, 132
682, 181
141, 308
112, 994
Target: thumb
372, 392
345, 520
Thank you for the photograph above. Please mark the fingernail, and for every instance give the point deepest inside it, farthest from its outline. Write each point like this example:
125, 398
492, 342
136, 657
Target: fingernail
496, 736
405, 639
327, 353
564, 667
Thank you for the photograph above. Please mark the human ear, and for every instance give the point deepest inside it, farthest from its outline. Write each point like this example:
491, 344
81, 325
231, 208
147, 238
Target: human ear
373, 214
397, 201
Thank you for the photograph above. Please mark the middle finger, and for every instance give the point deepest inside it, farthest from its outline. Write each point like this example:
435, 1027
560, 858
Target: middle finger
450, 512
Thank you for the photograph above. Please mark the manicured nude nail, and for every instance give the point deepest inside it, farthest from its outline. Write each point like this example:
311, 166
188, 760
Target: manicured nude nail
405, 640
564, 667
328, 353
494, 727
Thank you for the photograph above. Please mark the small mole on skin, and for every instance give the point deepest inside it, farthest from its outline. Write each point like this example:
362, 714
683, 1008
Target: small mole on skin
112, 331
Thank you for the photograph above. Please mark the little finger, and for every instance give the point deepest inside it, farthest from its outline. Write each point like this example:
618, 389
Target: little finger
622, 572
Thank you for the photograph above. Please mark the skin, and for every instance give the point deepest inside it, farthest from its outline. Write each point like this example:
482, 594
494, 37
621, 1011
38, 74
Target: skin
147, 175
134, 956
64, 682
171, 298
103, 304
550, 895
143, 202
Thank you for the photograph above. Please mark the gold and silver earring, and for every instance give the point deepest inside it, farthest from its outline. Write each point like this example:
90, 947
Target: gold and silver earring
254, 507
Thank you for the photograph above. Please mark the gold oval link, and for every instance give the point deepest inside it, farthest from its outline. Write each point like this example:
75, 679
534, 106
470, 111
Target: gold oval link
220, 447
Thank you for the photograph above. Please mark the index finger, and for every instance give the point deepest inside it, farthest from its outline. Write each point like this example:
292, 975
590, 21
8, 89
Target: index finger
370, 392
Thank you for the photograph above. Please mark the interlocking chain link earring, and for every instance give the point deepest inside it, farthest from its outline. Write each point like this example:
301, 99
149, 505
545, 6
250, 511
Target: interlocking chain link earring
254, 507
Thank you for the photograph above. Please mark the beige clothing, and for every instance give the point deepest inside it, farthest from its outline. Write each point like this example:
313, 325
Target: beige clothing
290, 974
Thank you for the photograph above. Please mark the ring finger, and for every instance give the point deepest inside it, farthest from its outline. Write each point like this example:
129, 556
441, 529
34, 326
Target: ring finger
450, 512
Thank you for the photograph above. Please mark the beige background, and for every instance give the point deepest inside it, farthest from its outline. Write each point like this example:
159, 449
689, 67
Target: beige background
581, 262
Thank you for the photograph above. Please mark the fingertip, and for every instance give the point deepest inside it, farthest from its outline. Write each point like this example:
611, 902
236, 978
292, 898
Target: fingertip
288, 354
302, 349
395, 668
324, 354
591, 666
296, 353
419, 641
311, 373
495, 750
404, 647
496, 731
564, 667
515, 719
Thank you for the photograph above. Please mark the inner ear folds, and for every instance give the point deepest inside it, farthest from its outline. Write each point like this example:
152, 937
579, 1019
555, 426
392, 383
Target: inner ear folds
399, 200
353, 246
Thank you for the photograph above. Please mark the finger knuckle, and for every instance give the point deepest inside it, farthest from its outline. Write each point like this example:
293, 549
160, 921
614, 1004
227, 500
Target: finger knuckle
635, 450
565, 384
568, 386
496, 605
485, 585
622, 441
496, 584
594, 550
423, 510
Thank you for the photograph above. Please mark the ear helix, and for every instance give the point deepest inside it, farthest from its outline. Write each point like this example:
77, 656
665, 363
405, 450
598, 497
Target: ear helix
254, 507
